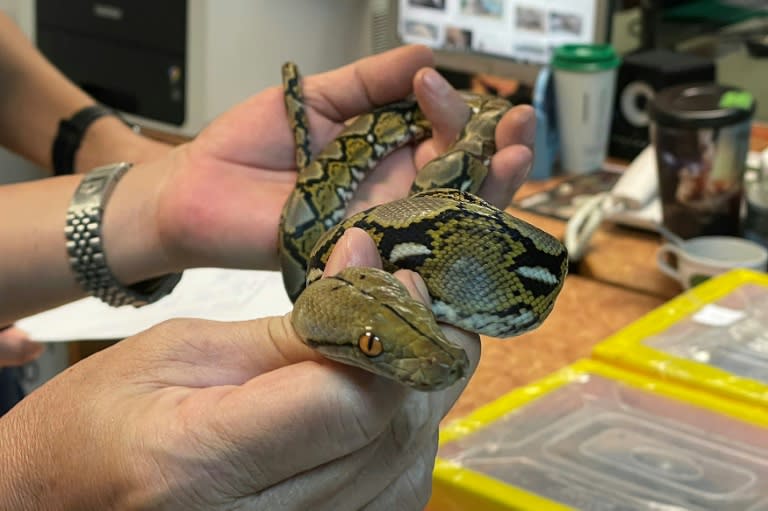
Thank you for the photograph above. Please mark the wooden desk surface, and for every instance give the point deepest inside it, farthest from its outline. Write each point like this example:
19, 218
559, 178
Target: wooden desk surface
627, 258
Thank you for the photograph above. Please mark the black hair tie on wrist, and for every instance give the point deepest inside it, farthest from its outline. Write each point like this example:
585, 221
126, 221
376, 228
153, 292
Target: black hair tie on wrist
70, 136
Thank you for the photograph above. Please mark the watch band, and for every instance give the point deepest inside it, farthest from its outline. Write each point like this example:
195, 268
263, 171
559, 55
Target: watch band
85, 244
70, 136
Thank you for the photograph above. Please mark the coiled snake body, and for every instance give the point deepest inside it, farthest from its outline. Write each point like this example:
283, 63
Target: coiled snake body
486, 271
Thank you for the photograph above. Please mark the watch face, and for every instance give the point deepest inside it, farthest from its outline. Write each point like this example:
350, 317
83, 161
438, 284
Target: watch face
93, 185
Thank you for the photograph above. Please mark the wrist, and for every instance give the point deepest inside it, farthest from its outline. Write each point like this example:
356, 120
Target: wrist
130, 235
109, 139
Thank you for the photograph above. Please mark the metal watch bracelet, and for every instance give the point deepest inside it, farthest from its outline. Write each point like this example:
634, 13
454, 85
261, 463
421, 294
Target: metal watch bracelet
85, 248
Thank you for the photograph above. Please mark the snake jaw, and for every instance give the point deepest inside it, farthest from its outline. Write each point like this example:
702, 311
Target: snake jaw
434, 374
424, 375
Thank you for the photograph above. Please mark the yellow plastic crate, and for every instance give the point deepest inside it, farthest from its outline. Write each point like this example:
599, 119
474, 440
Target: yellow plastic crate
593, 436
713, 337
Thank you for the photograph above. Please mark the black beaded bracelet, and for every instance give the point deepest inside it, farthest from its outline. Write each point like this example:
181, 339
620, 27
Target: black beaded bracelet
70, 136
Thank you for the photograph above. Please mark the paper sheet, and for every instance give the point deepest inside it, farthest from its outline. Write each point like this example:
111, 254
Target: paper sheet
207, 293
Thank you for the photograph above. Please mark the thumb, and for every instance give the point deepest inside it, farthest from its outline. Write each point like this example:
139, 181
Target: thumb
442, 105
235, 352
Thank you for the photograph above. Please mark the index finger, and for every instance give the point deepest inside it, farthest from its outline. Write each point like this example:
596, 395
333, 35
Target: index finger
367, 83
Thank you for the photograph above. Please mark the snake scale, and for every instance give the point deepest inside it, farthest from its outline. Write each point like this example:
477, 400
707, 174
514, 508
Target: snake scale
486, 271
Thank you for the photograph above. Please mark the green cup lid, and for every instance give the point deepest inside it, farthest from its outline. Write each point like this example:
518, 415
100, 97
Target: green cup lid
585, 57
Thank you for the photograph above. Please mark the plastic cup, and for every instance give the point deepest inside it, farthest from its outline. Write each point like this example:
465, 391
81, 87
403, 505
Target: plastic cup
585, 82
701, 135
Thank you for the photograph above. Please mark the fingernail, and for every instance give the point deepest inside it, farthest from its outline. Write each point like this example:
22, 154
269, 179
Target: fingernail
421, 288
354, 248
337, 261
435, 82
528, 119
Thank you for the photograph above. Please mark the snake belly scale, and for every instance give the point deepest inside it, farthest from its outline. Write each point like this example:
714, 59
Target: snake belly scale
486, 271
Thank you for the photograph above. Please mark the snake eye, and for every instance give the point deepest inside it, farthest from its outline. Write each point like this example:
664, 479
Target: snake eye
370, 344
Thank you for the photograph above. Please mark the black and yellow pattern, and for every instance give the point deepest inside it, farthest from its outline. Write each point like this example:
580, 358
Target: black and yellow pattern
485, 271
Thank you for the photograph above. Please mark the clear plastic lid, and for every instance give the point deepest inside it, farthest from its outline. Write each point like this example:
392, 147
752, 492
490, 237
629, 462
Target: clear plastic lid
730, 334
599, 444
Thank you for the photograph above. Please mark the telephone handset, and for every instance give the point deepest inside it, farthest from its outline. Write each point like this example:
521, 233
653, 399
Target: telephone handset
633, 201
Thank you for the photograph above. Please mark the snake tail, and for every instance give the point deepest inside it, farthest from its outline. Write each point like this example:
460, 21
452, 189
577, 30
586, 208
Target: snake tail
326, 185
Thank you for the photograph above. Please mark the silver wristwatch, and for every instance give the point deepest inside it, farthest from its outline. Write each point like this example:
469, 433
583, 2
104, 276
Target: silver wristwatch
86, 251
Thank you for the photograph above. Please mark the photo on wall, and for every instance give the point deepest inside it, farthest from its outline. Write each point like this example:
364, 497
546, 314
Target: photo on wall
493, 8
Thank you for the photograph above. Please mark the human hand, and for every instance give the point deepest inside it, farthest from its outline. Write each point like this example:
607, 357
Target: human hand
16, 348
222, 205
203, 415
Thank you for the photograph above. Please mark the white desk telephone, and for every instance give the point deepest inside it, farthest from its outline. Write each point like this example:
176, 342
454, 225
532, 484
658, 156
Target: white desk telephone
632, 201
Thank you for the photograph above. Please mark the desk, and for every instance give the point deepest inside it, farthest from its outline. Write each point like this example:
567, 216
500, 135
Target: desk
627, 258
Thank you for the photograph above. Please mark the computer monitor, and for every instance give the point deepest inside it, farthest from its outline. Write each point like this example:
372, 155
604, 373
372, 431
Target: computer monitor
512, 38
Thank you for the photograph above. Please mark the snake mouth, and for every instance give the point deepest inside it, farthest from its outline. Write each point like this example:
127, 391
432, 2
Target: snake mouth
429, 374
432, 375
452, 375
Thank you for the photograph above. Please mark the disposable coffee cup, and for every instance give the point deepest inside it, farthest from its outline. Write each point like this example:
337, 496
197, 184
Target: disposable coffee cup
585, 82
695, 260
701, 135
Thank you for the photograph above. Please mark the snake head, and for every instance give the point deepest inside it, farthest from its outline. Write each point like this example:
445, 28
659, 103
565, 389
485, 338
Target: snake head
365, 317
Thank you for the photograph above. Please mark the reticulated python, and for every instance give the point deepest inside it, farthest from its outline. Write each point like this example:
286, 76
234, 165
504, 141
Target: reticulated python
486, 271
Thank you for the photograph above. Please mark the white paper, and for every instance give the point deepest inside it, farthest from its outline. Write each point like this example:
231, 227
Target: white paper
206, 293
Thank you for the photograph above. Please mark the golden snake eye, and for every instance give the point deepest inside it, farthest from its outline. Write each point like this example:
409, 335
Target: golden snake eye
370, 344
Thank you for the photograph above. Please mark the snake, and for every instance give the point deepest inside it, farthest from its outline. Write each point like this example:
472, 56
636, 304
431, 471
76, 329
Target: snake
485, 270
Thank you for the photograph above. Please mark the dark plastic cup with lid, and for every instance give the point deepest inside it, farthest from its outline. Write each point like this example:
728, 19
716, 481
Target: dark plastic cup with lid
701, 134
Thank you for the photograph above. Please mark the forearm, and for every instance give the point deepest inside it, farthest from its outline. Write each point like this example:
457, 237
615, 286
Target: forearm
34, 270
35, 96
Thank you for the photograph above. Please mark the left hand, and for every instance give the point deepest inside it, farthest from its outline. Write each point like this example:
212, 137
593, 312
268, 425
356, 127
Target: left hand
244, 161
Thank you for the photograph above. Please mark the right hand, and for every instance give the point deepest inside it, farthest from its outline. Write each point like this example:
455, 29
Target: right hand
196, 414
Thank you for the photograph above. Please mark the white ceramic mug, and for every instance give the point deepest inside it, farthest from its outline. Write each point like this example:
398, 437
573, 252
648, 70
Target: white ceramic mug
697, 259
